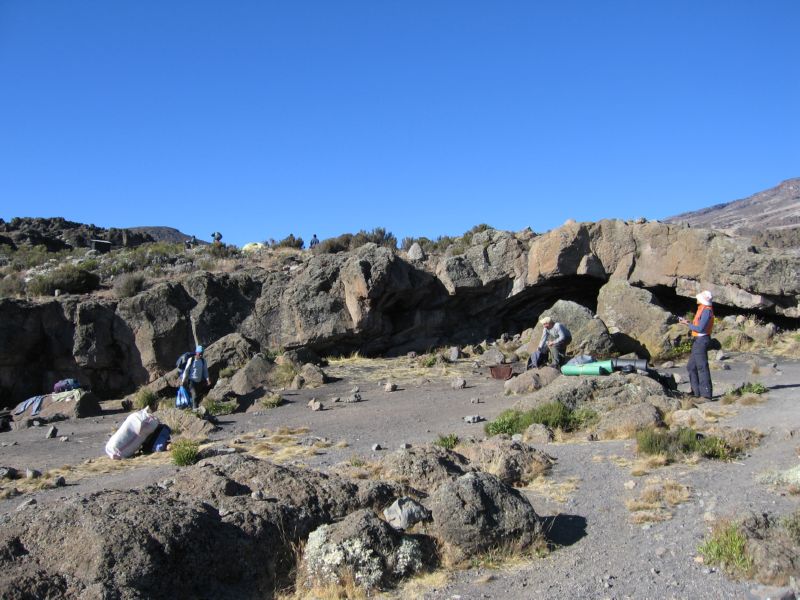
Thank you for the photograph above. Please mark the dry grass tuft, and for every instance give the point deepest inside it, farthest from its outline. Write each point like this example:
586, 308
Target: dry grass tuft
419, 587
751, 399
552, 490
646, 464
654, 502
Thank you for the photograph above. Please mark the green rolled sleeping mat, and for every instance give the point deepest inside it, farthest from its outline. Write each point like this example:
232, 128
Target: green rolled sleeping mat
596, 368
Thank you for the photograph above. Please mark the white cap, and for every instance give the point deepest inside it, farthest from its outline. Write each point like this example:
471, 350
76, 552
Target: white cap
546, 320
704, 298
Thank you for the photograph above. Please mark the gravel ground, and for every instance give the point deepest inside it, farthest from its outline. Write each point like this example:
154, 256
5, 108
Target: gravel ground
599, 552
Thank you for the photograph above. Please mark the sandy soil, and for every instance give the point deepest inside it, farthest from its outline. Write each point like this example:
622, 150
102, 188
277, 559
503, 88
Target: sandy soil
599, 551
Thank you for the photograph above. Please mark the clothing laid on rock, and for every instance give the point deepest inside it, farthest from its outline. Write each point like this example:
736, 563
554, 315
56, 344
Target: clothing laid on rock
699, 372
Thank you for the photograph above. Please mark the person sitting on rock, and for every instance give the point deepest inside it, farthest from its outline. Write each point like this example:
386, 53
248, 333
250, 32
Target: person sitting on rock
195, 376
555, 339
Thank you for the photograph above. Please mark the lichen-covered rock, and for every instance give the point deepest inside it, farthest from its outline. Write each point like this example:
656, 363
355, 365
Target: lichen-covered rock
364, 547
477, 512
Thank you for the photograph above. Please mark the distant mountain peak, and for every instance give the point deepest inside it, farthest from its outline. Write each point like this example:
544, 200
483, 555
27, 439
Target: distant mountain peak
775, 208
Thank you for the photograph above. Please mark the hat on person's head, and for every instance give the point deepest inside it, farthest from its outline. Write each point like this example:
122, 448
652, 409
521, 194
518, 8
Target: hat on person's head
198, 350
704, 298
546, 320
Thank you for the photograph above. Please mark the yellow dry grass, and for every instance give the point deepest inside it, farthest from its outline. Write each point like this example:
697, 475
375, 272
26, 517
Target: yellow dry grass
420, 586
400, 370
646, 464
557, 491
656, 499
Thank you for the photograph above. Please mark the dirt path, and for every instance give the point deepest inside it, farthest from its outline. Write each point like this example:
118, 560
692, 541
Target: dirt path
601, 553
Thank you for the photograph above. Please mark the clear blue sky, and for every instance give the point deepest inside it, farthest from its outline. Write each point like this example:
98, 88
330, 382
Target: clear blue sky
264, 118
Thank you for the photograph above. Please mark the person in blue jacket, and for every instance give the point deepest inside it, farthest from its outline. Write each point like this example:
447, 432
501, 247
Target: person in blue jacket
195, 376
700, 328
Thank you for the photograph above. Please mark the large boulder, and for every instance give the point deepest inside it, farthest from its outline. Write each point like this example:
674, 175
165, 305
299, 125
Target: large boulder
424, 467
638, 322
589, 334
602, 393
364, 547
531, 380
515, 463
134, 544
477, 512
74, 404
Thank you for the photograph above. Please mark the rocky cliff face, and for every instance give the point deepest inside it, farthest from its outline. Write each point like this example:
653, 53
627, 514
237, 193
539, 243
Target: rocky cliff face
377, 301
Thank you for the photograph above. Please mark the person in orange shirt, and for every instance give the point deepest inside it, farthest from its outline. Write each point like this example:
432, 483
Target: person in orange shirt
699, 373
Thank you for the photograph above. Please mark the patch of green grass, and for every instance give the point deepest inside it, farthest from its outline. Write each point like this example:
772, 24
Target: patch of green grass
221, 407
683, 442
228, 372
271, 401
554, 414
727, 547
682, 349
791, 524
357, 461
428, 360
184, 452
448, 442
752, 388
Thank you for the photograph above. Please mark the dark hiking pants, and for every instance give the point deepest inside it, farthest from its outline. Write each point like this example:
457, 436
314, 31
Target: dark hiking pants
557, 354
196, 389
699, 374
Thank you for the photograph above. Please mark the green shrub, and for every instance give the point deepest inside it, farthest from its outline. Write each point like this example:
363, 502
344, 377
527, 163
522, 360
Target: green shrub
228, 371
184, 452
683, 442
682, 349
582, 418
145, 398
752, 388
349, 241
727, 547
448, 441
67, 278
428, 360
289, 242
128, 285
223, 250
220, 407
554, 415
509, 422
791, 524
271, 401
